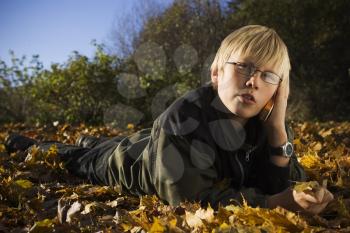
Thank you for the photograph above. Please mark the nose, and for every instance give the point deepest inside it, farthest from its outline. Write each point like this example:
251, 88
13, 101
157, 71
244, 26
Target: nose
252, 81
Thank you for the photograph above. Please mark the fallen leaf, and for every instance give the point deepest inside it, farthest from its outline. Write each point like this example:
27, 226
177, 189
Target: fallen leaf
157, 227
25, 184
306, 186
42, 226
73, 210
193, 221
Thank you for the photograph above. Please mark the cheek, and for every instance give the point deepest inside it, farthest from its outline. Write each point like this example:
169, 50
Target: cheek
268, 94
228, 85
235, 82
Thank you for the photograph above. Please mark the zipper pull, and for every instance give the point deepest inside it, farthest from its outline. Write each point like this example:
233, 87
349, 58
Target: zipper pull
247, 154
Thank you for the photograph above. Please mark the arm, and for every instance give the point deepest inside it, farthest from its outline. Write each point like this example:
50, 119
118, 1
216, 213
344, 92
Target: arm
183, 170
288, 198
271, 176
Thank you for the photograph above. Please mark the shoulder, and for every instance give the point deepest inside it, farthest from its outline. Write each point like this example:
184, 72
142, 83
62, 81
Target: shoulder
187, 111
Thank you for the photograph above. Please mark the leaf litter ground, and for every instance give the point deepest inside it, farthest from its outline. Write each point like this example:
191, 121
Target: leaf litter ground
38, 195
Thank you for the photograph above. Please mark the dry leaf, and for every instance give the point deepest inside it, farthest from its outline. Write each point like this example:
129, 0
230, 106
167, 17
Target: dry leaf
157, 227
306, 186
25, 184
193, 221
42, 226
73, 210
207, 215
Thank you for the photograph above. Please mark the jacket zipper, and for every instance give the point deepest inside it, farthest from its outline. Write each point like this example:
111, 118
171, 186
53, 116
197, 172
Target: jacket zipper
241, 167
247, 153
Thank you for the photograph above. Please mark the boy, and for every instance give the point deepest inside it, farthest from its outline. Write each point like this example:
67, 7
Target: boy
210, 145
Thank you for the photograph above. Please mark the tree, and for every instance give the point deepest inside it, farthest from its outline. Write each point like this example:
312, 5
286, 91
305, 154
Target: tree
316, 33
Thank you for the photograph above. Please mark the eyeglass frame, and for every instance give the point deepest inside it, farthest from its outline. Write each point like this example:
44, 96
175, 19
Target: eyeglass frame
254, 70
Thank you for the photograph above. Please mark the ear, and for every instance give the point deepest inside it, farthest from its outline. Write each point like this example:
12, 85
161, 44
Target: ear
214, 75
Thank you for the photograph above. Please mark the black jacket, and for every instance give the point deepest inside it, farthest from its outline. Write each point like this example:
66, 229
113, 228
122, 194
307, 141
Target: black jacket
195, 152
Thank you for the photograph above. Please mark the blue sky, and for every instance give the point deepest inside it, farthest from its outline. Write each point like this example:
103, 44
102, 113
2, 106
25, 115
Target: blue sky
55, 28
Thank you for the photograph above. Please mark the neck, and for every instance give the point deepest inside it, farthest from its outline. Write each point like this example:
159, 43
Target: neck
241, 120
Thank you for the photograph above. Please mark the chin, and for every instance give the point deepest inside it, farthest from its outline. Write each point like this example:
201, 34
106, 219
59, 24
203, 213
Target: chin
242, 114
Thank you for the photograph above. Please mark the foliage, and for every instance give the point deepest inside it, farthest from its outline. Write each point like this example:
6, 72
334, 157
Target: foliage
38, 195
173, 50
78, 91
316, 35
15, 81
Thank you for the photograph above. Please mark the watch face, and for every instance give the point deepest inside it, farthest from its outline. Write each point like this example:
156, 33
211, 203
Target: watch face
289, 149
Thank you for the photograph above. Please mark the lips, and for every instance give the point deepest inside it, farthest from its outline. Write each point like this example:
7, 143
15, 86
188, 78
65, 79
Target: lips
248, 97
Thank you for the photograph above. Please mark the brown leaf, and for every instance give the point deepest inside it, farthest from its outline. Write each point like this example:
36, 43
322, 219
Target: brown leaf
193, 221
73, 210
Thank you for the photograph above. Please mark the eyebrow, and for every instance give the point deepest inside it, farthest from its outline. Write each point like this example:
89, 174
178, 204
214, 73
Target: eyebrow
245, 61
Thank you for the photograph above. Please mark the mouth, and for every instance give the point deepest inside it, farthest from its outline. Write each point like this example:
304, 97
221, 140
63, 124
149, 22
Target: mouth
248, 98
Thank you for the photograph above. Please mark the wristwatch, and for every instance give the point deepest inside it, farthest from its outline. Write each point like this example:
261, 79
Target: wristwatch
286, 150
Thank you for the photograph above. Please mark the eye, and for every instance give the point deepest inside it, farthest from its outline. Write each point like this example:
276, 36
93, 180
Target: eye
270, 77
242, 65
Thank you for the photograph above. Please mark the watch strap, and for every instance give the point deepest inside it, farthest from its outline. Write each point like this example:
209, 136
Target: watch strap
285, 150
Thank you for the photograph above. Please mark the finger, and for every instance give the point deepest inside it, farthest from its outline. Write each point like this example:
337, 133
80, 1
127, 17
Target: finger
306, 204
328, 196
309, 198
316, 208
319, 194
283, 89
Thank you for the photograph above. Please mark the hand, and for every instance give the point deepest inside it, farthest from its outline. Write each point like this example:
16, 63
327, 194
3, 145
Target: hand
307, 203
274, 126
313, 203
277, 118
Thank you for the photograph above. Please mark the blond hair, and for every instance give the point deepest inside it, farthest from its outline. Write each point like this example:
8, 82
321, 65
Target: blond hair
260, 43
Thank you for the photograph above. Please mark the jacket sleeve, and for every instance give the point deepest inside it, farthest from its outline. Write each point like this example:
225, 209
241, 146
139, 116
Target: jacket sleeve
182, 169
272, 179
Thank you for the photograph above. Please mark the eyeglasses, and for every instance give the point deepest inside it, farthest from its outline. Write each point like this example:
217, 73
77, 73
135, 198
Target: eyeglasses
247, 70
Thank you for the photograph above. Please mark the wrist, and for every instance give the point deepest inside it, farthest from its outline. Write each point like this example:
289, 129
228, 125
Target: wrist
280, 161
277, 137
284, 199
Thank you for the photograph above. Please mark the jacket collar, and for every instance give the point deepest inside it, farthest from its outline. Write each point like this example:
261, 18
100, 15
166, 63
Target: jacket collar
255, 134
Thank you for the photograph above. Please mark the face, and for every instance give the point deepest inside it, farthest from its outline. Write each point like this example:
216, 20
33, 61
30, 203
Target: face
232, 85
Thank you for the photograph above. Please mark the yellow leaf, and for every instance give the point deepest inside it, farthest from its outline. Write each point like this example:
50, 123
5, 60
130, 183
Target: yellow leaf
42, 226
130, 126
148, 201
126, 227
207, 215
325, 133
173, 222
52, 150
45, 223
193, 221
303, 127
306, 186
317, 146
276, 220
297, 142
157, 226
222, 215
310, 160
26, 184
2, 148
224, 226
